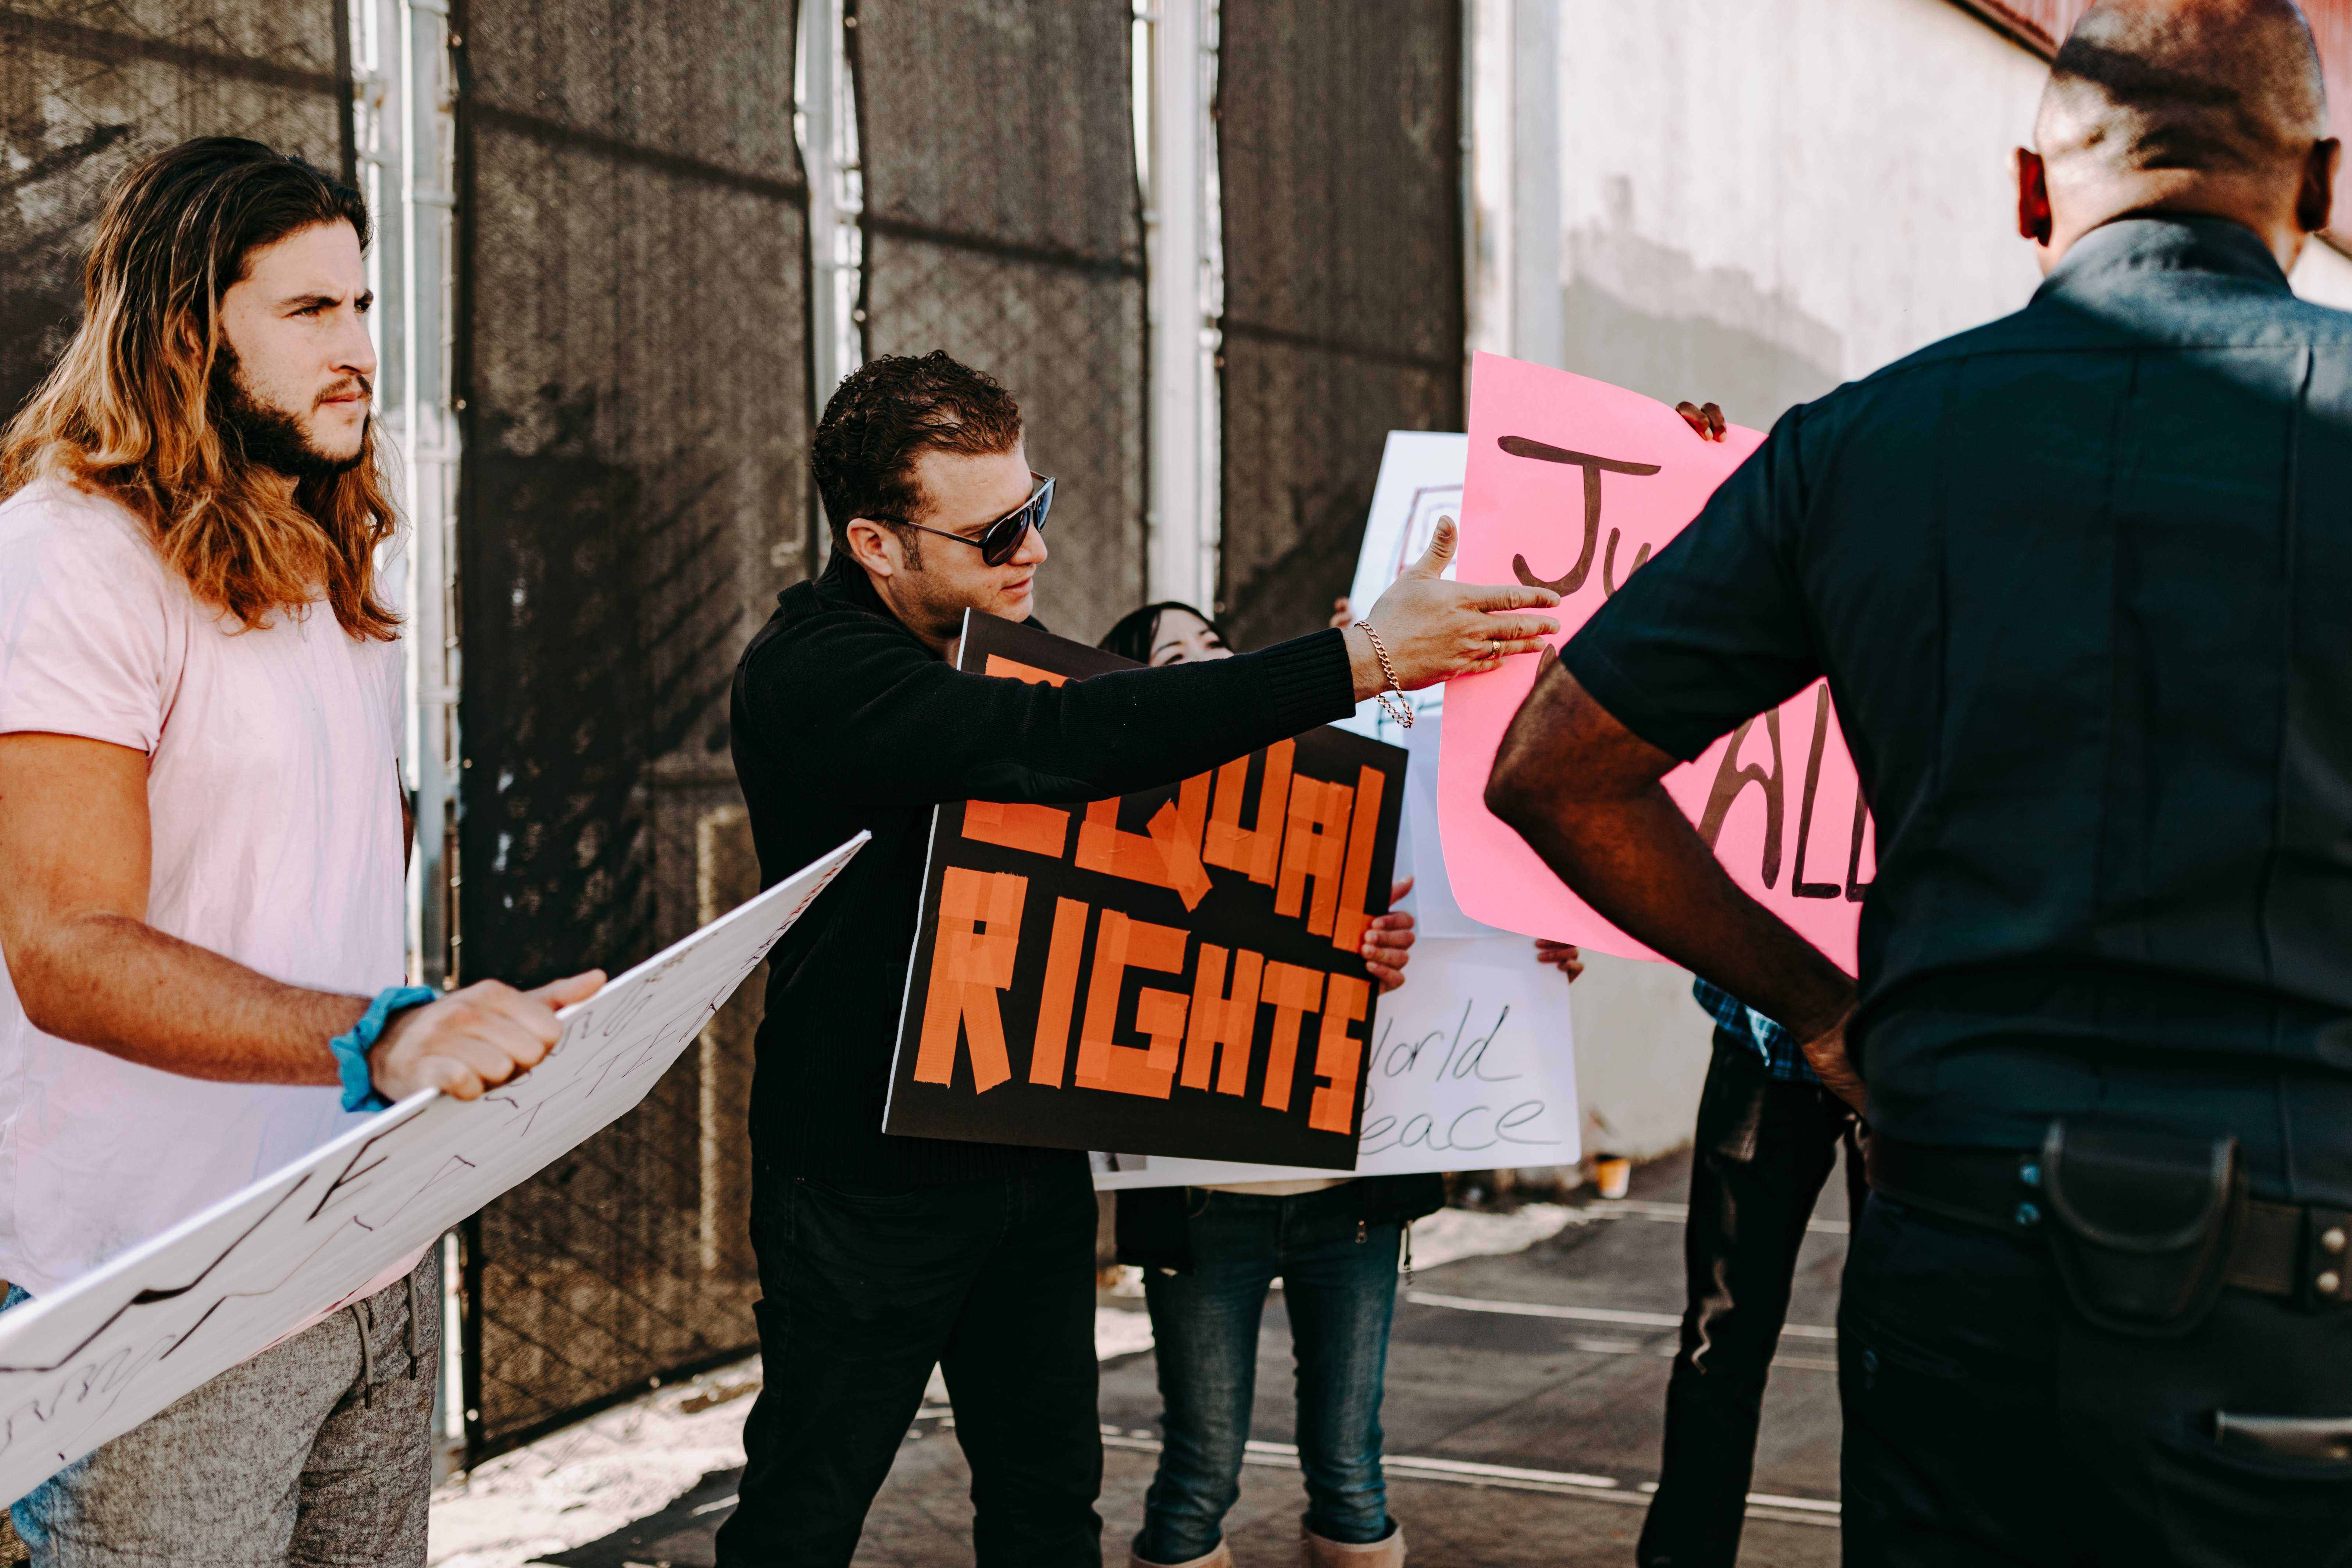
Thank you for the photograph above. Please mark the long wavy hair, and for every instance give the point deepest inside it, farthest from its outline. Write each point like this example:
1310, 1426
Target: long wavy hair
127, 413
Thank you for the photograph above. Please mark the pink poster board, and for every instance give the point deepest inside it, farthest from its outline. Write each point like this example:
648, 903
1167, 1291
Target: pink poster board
1574, 483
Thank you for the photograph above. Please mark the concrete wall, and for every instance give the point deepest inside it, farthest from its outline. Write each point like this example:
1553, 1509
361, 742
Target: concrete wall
1756, 200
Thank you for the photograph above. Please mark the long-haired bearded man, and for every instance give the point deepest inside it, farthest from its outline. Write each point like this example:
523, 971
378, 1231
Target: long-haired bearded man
201, 842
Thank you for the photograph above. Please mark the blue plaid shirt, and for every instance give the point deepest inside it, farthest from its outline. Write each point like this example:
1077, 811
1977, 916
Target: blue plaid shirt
1784, 1057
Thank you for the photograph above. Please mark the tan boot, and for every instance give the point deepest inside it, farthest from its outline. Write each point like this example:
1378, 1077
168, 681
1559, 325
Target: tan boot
1314, 1551
1222, 1557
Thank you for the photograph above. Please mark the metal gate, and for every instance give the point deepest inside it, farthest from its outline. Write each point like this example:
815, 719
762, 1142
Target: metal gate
1339, 129
633, 380
1001, 223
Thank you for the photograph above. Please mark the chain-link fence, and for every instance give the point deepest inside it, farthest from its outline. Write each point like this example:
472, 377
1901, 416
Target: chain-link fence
87, 89
1339, 140
1001, 224
632, 364
634, 372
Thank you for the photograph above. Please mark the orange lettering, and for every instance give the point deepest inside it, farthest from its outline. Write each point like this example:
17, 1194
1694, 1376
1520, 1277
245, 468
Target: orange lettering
1121, 944
1061, 994
1164, 857
1193, 808
1294, 992
1355, 886
1339, 1056
1258, 850
1014, 670
972, 961
1315, 846
1016, 825
1223, 1018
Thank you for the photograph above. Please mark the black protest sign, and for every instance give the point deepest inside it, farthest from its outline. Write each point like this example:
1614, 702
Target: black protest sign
1174, 972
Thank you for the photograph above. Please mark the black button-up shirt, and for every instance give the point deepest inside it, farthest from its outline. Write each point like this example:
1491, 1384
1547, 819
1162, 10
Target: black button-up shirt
2081, 582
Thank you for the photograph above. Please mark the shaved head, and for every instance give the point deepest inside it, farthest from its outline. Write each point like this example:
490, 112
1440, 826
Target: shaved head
2191, 107
2202, 86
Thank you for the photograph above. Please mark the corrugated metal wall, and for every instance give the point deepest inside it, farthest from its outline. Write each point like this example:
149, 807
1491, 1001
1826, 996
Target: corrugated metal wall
1339, 125
996, 143
633, 367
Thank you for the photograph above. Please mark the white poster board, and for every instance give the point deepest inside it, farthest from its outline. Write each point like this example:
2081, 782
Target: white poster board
1421, 481
124, 1340
1473, 1069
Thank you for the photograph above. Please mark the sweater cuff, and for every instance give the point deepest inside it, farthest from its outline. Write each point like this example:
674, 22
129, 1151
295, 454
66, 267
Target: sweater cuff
1311, 682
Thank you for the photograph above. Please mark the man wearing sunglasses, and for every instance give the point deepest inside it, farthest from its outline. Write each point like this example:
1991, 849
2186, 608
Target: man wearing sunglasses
883, 1256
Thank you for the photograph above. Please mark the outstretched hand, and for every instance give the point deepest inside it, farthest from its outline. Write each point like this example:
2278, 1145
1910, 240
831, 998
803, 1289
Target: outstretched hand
1433, 630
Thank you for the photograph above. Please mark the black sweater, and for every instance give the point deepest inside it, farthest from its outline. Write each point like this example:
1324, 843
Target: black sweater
842, 721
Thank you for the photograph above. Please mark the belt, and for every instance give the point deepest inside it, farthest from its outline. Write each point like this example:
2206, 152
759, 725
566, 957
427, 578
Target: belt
2295, 1250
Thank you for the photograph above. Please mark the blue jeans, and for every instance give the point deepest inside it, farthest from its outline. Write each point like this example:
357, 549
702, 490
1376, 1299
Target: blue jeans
1339, 1282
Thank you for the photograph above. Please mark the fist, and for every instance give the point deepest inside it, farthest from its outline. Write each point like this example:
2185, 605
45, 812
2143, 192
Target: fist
473, 1039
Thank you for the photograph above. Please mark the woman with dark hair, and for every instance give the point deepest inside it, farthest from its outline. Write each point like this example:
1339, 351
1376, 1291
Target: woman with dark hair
1210, 1254
1168, 632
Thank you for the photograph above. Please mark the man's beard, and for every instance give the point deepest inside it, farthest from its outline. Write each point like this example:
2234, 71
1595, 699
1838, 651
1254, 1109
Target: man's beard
268, 436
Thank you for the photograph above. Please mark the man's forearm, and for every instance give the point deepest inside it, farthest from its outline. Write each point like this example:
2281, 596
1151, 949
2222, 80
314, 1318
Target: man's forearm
1584, 792
120, 986
1641, 865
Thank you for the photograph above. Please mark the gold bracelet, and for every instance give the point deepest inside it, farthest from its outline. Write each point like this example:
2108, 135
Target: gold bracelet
1394, 706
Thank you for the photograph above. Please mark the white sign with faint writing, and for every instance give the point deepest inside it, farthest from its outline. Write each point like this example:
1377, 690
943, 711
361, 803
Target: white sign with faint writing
1473, 1069
129, 1338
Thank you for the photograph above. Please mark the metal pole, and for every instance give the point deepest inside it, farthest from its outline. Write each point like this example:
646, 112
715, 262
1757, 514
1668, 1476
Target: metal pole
1177, 159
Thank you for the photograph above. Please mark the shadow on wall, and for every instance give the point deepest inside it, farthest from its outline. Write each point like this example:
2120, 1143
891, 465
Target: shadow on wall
1646, 317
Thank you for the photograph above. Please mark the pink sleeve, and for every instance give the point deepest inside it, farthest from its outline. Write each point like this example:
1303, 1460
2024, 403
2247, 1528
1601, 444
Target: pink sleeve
86, 633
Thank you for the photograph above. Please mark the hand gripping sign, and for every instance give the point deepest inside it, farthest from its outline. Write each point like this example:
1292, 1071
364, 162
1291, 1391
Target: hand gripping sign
1572, 485
1174, 971
124, 1340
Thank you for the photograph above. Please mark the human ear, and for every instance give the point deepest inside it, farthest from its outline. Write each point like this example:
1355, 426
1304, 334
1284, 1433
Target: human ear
872, 547
2032, 197
2314, 201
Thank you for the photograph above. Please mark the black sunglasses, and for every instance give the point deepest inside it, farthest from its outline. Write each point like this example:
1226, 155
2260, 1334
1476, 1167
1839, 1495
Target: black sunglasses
1001, 540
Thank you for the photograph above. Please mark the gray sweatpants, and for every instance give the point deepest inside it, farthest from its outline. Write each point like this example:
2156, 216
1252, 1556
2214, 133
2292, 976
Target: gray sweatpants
316, 1452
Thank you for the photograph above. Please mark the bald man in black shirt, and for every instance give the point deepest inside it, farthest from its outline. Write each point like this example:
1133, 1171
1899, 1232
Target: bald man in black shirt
2081, 583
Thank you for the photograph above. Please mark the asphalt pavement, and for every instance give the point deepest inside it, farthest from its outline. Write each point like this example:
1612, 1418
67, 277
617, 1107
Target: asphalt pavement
1525, 1406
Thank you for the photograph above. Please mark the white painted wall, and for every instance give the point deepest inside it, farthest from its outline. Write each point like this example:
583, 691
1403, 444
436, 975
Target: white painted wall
1758, 199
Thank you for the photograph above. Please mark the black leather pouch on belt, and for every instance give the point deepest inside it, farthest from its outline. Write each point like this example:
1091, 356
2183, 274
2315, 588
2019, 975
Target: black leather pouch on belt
2141, 1225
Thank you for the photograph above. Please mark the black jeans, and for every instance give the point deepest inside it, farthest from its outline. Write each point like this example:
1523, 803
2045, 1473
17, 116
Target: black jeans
993, 1280
1986, 1423
1762, 1149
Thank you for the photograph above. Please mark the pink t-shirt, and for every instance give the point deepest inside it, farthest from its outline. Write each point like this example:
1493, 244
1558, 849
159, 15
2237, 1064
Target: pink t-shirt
273, 800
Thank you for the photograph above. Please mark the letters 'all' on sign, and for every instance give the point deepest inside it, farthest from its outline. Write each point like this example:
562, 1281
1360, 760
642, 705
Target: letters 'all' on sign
1175, 972
1573, 485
